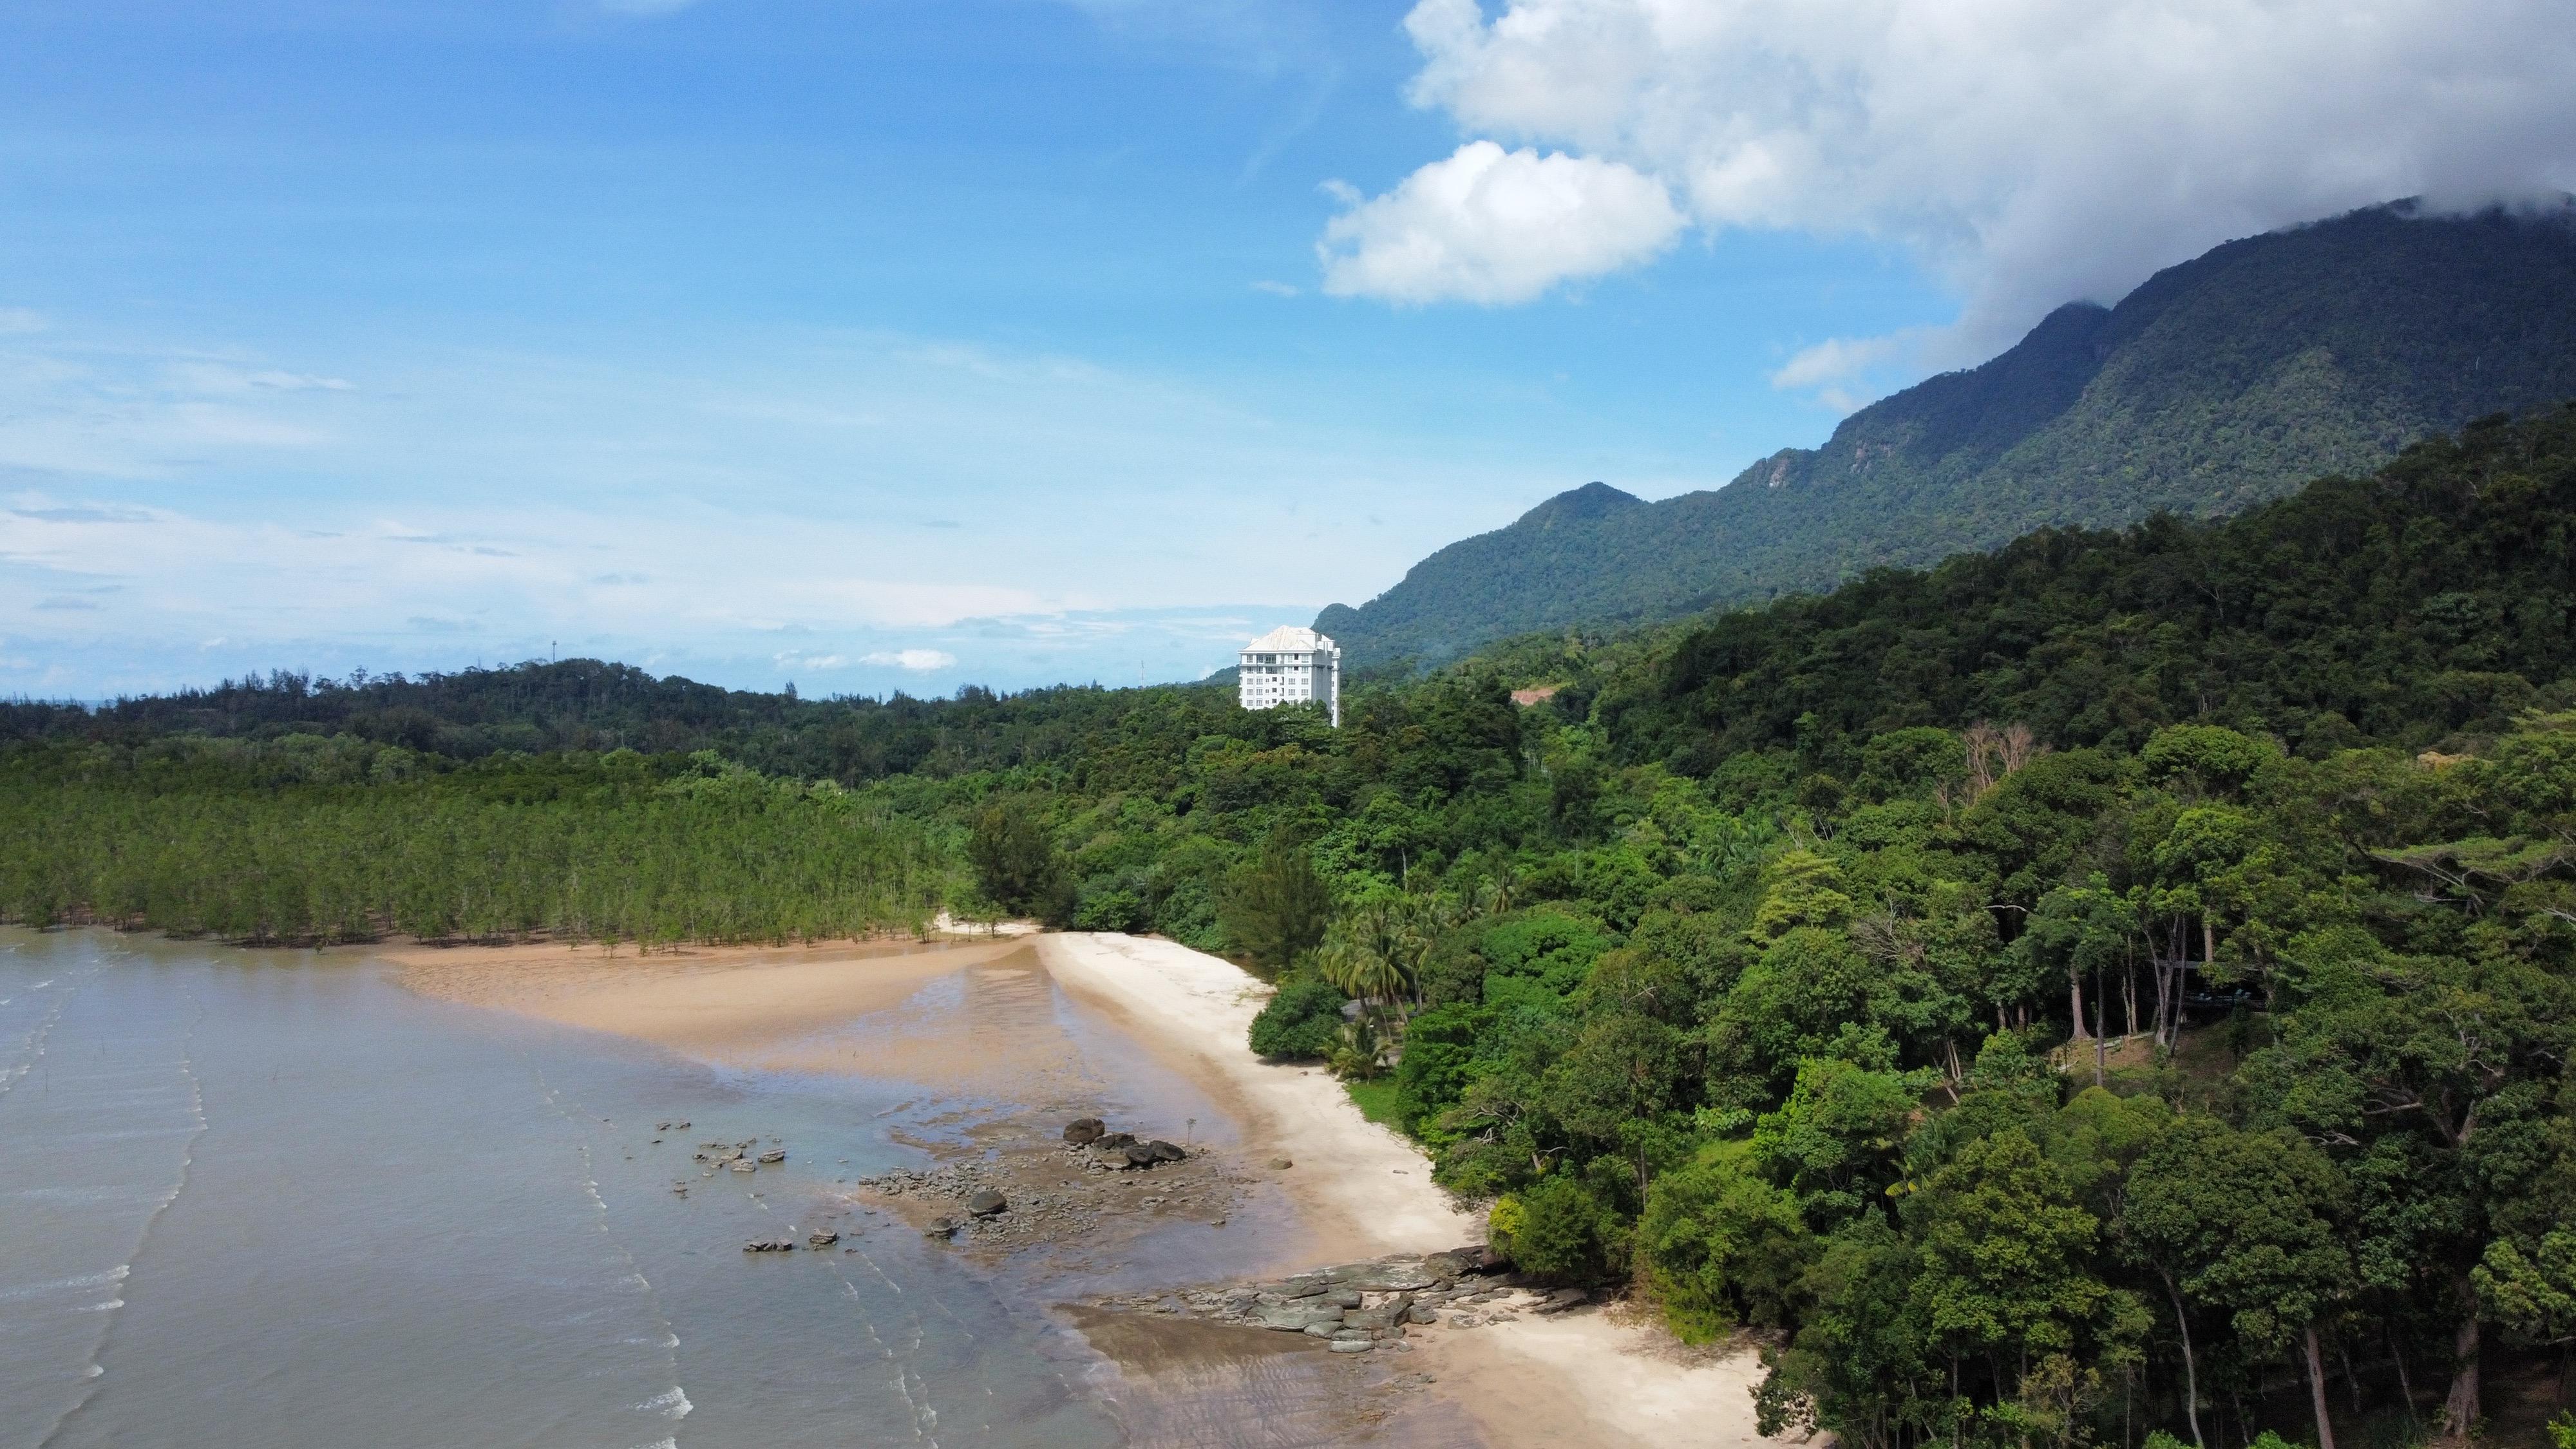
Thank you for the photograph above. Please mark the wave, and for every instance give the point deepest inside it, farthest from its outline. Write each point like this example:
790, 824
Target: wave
103, 1279
671, 1403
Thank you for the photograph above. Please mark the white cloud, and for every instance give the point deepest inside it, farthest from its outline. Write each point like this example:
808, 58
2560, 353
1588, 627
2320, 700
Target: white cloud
2030, 152
1495, 226
920, 661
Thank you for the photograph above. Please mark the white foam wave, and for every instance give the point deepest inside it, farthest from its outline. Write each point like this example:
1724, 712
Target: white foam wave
671, 1403
660, 1444
65, 1285
110, 1306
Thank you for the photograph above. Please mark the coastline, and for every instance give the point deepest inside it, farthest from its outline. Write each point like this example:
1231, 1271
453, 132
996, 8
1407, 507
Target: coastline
1358, 1190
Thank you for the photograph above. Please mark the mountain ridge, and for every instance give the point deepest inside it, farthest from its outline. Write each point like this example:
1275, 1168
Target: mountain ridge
2217, 384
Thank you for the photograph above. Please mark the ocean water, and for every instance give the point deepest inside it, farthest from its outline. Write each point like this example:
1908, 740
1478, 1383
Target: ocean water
269, 1198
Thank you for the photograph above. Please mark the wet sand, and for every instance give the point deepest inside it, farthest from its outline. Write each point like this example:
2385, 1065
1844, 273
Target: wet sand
975, 1016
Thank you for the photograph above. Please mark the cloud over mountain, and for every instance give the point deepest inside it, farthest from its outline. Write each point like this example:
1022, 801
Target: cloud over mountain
2028, 152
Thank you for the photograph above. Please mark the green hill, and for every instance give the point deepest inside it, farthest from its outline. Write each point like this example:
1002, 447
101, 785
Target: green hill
2219, 384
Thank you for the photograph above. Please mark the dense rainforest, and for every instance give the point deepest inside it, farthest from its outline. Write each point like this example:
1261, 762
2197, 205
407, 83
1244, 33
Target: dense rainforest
2116, 987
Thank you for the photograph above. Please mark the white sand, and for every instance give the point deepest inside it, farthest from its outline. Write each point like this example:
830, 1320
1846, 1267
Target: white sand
1585, 1378
1570, 1380
1369, 1189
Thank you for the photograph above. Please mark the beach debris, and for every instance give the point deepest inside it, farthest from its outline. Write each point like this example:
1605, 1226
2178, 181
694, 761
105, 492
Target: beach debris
1280, 1164
770, 1245
985, 1202
821, 1238
775, 1154
1083, 1131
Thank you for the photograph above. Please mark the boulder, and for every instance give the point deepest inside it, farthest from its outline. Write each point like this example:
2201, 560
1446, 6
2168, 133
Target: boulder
1350, 1345
1115, 1139
743, 1164
1561, 1300
1423, 1313
822, 1238
985, 1202
1140, 1154
775, 1154
940, 1228
1164, 1151
1083, 1131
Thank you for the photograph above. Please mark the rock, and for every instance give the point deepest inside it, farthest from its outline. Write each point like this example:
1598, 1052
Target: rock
1280, 1164
1297, 1317
1115, 1139
1423, 1313
940, 1228
1083, 1131
1141, 1154
1561, 1300
775, 1154
769, 1245
986, 1202
743, 1164
1345, 1298
1164, 1151
1350, 1345
822, 1238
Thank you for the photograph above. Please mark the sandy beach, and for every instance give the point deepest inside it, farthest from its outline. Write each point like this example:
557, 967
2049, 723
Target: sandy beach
973, 1013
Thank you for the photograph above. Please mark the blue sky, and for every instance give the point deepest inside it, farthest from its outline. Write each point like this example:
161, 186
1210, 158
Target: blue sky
884, 345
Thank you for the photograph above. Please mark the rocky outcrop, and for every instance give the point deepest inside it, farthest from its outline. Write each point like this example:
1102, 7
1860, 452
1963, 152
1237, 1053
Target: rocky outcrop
1365, 1307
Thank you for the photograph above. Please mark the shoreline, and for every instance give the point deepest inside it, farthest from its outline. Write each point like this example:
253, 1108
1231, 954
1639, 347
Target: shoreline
1358, 1190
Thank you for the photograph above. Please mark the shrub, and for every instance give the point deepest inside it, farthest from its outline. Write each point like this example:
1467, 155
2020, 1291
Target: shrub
1553, 1229
1303, 1020
1110, 910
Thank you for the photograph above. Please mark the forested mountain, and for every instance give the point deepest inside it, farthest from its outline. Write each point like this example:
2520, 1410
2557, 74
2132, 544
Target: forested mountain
2119, 986
2219, 383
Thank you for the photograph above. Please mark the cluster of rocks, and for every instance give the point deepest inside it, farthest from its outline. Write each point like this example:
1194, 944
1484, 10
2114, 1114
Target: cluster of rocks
981, 1208
1019, 1197
818, 1239
1119, 1151
744, 1156
1361, 1307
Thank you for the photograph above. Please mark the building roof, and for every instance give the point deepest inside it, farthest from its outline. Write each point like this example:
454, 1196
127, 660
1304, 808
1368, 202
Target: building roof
1288, 639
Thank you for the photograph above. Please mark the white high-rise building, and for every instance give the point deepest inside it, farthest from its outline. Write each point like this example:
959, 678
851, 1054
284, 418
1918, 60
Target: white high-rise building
1290, 665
